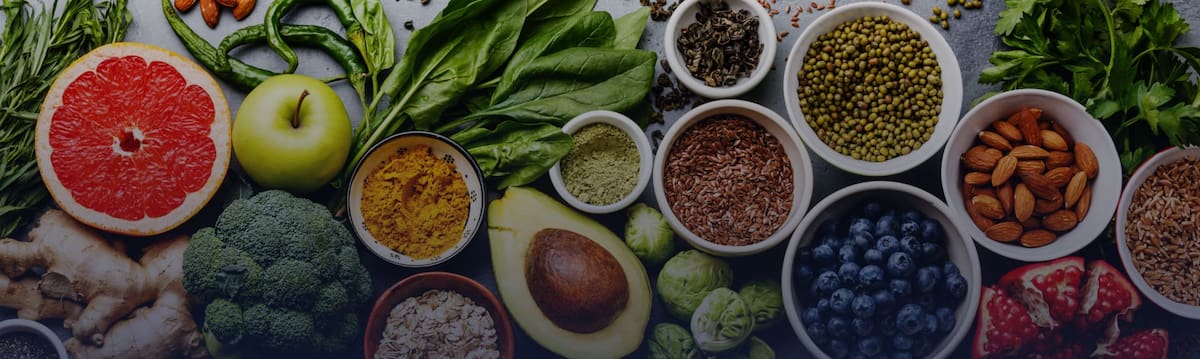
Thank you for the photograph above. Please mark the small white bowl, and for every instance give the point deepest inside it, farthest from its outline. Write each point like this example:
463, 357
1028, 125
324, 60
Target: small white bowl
685, 15
958, 248
645, 158
1144, 171
442, 147
1082, 127
802, 173
39, 329
951, 87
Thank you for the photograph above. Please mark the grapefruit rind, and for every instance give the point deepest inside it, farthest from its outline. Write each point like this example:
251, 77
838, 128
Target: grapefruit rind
219, 134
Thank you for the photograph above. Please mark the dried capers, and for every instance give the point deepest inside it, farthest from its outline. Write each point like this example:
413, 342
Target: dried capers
871, 89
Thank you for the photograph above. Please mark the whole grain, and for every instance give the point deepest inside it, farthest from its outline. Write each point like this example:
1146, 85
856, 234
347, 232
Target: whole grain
1161, 230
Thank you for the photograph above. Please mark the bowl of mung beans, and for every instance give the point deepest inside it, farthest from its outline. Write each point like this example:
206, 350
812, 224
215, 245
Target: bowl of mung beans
873, 88
732, 178
719, 48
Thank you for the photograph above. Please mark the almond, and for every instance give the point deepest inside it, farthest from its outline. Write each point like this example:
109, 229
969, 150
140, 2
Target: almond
977, 178
1043, 207
1008, 131
1026, 121
994, 140
1058, 159
1023, 202
1037, 238
1005, 231
1031, 166
988, 206
1005, 195
979, 158
1031, 223
984, 190
1062, 132
1074, 189
1029, 152
1085, 201
980, 221
1060, 221
1052, 141
1085, 159
1040, 186
1004, 170
1059, 177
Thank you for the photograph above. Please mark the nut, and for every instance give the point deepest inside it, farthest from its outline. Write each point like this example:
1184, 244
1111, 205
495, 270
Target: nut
1029, 152
1005, 231
1040, 186
1086, 160
977, 178
1052, 141
1060, 221
1023, 202
979, 158
980, 221
1008, 131
1004, 170
988, 206
210, 12
184, 5
1062, 132
1085, 201
1004, 193
1037, 238
1059, 177
1058, 159
1031, 223
1026, 120
1031, 166
994, 140
1043, 207
1075, 189
242, 9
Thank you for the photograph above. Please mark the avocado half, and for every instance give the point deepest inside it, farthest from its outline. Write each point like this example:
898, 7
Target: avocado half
569, 282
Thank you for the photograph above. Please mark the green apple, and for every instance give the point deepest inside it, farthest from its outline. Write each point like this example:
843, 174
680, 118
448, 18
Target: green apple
292, 133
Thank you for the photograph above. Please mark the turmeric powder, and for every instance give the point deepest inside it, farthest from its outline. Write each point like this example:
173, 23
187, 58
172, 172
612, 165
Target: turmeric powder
416, 203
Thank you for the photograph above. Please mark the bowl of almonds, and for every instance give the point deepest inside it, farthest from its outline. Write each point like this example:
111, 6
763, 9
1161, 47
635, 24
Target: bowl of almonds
1031, 175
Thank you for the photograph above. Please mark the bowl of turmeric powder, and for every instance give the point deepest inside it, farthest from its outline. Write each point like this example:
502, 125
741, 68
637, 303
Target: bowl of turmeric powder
416, 199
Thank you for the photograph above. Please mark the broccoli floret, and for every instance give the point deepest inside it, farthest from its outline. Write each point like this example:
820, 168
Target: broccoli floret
285, 266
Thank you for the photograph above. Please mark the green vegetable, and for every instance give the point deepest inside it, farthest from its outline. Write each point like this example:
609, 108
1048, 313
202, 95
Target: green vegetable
591, 29
517, 153
689, 276
649, 235
672, 341
765, 298
753, 348
279, 275
1118, 59
334, 45
34, 47
722, 321
630, 28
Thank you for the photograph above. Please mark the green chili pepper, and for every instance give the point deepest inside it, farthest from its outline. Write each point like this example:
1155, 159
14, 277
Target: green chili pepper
274, 18
333, 44
234, 71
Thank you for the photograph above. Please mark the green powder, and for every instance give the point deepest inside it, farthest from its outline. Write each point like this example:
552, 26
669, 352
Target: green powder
602, 167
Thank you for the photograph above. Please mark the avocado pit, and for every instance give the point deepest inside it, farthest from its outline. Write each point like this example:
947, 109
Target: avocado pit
575, 282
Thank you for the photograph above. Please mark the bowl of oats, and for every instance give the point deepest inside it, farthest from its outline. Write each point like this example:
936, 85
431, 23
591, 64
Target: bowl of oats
438, 315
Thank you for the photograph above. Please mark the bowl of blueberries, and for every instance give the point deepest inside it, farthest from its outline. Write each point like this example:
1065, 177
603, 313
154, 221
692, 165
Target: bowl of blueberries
880, 268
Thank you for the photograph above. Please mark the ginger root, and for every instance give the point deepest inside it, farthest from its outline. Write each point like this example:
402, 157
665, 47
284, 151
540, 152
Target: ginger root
114, 306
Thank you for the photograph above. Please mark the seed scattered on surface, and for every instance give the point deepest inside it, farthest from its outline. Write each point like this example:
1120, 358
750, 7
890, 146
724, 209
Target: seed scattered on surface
957, 13
408, 25
1162, 230
945, 25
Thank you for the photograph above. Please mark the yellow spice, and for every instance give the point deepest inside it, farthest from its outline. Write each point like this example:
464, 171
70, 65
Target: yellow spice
416, 204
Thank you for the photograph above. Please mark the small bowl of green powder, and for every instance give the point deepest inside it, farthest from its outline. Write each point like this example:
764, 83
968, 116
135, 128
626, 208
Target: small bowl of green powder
608, 166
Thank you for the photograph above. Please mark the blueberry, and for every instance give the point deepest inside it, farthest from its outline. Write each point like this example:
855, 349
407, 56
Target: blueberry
911, 215
949, 269
932, 252
861, 225
931, 230
817, 332
848, 253
873, 256
862, 327
812, 315
901, 355
848, 273
840, 300
827, 282
902, 342
910, 244
872, 209
956, 286
870, 276
838, 327
823, 305
931, 323
945, 318
927, 301
910, 319
887, 325
862, 240
900, 264
838, 348
887, 245
870, 345
927, 278
885, 302
822, 254
910, 227
901, 289
886, 226
863, 306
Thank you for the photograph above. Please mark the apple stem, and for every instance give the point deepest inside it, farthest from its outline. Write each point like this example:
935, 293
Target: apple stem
296, 115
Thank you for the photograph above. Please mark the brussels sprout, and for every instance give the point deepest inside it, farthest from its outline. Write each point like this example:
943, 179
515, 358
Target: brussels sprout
649, 235
722, 321
765, 299
754, 348
672, 341
687, 277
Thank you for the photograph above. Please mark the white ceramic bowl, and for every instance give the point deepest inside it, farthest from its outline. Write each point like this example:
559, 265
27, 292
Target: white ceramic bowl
443, 148
1082, 127
29, 326
802, 176
958, 248
685, 15
1144, 171
951, 87
645, 158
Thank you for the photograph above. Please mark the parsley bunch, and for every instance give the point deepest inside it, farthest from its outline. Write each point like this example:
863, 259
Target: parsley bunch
1118, 58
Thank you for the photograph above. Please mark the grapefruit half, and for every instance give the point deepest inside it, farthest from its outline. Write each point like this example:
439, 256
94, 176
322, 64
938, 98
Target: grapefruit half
133, 139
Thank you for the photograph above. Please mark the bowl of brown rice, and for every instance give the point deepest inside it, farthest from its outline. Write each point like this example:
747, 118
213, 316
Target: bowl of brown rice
438, 315
732, 178
1158, 230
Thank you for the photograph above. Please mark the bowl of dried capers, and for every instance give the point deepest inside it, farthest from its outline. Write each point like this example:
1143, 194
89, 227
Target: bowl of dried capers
872, 88
719, 49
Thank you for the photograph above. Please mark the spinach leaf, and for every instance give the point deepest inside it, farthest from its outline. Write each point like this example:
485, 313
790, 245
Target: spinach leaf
630, 28
592, 29
518, 152
372, 35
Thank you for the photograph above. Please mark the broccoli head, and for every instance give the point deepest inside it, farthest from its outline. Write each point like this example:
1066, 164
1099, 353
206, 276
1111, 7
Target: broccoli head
273, 267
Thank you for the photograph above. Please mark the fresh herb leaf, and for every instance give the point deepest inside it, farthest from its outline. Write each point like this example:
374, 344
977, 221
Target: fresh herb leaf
1010, 17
